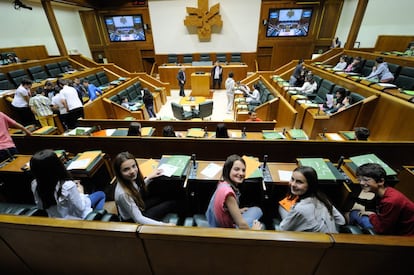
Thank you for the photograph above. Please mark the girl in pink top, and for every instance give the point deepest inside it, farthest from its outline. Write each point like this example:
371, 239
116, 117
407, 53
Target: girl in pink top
223, 209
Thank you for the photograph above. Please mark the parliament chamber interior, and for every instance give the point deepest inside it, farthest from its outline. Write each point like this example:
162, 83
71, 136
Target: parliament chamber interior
295, 129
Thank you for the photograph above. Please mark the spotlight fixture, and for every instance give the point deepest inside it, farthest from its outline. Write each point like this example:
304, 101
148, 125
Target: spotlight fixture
18, 4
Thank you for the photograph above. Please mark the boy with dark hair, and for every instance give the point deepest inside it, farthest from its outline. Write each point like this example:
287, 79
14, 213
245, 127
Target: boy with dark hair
361, 133
395, 212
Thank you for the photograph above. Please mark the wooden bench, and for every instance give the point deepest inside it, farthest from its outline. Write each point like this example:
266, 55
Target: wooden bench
45, 245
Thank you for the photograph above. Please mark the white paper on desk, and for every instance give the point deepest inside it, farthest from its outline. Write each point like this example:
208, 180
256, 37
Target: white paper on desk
387, 85
168, 169
79, 164
285, 175
109, 132
211, 170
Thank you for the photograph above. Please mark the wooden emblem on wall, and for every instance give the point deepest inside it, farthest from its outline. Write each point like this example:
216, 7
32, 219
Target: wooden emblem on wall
203, 19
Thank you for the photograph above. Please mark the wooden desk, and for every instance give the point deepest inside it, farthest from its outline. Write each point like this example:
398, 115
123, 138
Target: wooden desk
200, 84
274, 169
168, 73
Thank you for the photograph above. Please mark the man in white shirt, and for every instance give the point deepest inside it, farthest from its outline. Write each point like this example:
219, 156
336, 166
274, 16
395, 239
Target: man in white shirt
230, 83
20, 102
253, 97
71, 102
217, 74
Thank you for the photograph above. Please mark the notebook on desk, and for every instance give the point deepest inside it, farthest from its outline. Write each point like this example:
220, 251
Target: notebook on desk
269, 134
325, 170
195, 132
174, 165
370, 158
298, 134
45, 130
84, 160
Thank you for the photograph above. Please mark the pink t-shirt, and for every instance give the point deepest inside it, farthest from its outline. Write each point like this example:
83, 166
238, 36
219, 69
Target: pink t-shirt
221, 213
5, 139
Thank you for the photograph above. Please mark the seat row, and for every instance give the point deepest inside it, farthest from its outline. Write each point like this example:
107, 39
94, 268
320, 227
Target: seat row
35, 73
132, 92
403, 76
188, 58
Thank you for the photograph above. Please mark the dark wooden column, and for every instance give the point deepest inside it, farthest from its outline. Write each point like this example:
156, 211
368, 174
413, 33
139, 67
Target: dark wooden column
356, 24
47, 7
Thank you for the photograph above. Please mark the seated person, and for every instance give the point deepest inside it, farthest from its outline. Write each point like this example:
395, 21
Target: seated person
361, 133
345, 103
133, 201
354, 66
311, 211
336, 103
410, 51
125, 102
221, 131
341, 64
55, 191
253, 116
224, 207
134, 129
12, 58
395, 212
380, 72
168, 131
253, 97
308, 87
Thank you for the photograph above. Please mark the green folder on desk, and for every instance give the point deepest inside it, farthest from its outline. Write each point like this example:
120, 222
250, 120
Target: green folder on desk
408, 92
120, 132
370, 158
269, 134
297, 134
349, 135
174, 165
325, 169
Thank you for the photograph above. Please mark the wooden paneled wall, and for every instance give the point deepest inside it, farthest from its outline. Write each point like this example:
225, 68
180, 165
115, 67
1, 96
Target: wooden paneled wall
393, 42
28, 52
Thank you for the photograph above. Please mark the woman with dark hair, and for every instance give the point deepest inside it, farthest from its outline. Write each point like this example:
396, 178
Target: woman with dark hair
148, 100
56, 192
223, 209
134, 129
168, 131
131, 195
221, 131
312, 211
380, 72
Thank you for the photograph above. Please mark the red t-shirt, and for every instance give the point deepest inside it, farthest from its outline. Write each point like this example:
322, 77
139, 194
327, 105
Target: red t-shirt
395, 214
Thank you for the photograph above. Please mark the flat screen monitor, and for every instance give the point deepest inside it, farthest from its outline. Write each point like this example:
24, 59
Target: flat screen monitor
123, 28
288, 22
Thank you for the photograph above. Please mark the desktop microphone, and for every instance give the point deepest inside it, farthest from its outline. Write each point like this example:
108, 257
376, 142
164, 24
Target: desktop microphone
205, 132
340, 162
264, 162
193, 158
324, 131
244, 132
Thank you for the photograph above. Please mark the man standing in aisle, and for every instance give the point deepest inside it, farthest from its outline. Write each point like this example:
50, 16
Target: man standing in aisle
230, 92
181, 80
71, 102
217, 73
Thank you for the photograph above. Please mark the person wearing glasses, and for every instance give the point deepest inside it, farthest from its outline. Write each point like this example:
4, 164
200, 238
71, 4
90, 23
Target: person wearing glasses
394, 213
